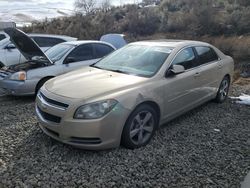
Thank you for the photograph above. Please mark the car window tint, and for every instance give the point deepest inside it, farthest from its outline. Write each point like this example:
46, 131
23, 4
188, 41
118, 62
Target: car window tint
206, 54
2, 37
102, 50
185, 58
82, 53
47, 41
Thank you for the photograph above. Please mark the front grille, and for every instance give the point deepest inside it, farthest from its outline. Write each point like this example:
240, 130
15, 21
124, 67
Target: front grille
51, 101
49, 117
79, 140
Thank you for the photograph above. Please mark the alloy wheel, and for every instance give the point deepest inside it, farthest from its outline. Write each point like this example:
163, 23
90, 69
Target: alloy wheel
224, 89
142, 127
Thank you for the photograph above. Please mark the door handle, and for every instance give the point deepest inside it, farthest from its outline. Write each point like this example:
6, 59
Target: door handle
197, 74
220, 66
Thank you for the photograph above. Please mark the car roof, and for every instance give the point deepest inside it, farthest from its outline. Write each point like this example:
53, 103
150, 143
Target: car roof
171, 43
80, 42
65, 37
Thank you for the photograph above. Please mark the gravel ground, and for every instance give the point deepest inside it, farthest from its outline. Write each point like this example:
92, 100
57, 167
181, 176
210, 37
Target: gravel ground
207, 147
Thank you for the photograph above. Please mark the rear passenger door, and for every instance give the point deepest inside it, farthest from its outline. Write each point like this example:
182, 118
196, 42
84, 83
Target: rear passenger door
82, 55
101, 50
85, 55
209, 70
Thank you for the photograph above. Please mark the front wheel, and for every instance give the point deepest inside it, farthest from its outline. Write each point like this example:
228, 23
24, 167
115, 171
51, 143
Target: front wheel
222, 93
140, 127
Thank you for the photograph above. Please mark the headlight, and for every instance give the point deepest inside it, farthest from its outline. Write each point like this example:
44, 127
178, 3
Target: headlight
21, 75
95, 110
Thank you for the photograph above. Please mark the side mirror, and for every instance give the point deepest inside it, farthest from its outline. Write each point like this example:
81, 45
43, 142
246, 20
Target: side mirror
175, 69
69, 60
10, 46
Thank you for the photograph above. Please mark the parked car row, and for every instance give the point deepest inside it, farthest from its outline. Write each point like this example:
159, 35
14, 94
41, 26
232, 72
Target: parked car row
27, 78
124, 97
10, 55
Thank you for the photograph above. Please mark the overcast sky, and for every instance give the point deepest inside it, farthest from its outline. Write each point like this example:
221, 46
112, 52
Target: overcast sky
67, 4
28, 10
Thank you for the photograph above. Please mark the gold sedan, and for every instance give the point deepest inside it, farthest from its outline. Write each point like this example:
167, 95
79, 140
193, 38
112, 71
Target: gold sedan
126, 96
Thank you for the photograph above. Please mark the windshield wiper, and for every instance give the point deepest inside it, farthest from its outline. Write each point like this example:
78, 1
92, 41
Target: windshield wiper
93, 65
117, 70
113, 70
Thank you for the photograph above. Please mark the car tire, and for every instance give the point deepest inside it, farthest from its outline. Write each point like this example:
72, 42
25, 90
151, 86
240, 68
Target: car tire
222, 93
40, 84
139, 127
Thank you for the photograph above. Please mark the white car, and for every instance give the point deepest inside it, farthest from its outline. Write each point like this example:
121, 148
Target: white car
27, 78
10, 55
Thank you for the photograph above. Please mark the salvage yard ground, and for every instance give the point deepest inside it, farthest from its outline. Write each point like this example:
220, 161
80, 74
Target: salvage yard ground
207, 147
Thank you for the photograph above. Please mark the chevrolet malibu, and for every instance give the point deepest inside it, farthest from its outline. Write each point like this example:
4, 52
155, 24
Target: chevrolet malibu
126, 96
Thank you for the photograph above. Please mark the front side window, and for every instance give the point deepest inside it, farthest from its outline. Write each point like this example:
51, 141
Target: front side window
82, 53
47, 41
206, 55
186, 58
141, 60
102, 50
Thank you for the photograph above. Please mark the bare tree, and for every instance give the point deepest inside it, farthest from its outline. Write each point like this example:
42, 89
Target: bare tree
87, 6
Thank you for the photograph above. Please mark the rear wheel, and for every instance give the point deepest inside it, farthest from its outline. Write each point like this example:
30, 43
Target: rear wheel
140, 127
223, 90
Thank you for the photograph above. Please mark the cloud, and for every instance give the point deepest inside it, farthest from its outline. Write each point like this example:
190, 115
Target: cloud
10, 10
17, 1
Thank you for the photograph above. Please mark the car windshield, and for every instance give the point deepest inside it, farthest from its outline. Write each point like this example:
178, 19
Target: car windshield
141, 60
57, 52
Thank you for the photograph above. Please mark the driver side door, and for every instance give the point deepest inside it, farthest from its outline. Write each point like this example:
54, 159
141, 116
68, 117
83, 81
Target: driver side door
181, 91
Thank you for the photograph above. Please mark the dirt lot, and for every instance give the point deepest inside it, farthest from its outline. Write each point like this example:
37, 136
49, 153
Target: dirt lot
207, 147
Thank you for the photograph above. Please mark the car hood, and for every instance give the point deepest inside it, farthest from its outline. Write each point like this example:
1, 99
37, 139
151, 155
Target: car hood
91, 82
25, 44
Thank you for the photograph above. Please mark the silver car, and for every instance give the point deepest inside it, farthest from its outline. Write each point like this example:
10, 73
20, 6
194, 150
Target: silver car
123, 98
10, 55
27, 78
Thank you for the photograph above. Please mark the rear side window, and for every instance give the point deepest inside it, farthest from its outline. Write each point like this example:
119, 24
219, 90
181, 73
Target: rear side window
2, 37
82, 53
47, 41
206, 55
102, 50
186, 58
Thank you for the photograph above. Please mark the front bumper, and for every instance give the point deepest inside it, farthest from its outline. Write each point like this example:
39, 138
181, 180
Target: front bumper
18, 88
98, 134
